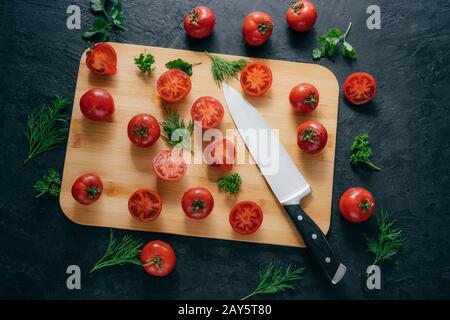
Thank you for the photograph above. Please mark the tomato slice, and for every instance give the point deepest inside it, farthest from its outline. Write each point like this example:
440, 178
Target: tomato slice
221, 154
360, 88
102, 59
169, 165
173, 85
145, 205
207, 110
256, 79
246, 217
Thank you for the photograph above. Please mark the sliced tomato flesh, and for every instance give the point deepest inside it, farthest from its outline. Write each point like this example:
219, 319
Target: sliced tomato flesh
246, 217
145, 205
207, 110
174, 85
360, 88
256, 79
169, 165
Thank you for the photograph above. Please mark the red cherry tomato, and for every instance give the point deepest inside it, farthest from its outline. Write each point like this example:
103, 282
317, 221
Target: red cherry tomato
311, 136
87, 189
143, 130
158, 258
102, 59
257, 28
304, 98
145, 205
173, 85
197, 203
207, 110
256, 79
357, 205
97, 104
246, 217
221, 154
169, 165
199, 23
302, 15
360, 88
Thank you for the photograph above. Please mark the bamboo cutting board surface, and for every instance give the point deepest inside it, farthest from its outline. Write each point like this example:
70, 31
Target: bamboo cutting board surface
103, 148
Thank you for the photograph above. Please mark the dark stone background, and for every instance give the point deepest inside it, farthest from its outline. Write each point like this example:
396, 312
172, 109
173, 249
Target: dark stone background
408, 125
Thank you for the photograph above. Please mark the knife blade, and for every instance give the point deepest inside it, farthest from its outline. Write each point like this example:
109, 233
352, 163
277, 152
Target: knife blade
281, 173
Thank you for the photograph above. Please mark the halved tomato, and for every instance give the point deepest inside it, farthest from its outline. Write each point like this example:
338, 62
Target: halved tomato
169, 165
256, 79
145, 205
174, 85
360, 88
221, 154
207, 110
102, 59
246, 217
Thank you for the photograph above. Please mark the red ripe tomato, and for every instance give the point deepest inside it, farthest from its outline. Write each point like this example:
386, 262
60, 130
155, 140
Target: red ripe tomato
257, 28
246, 217
145, 205
311, 136
304, 98
169, 165
302, 15
197, 203
158, 258
357, 205
207, 110
360, 88
221, 154
102, 59
87, 188
256, 79
173, 85
97, 104
199, 23
143, 130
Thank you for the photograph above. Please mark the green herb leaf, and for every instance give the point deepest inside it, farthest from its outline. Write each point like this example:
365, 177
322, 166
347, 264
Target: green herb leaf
50, 183
230, 184
99, 31
318, 53
128, 250
181, 65
116, 15
145, 62
361, 151
223, 70
273, 280
176, 133
97, 5
46, 128
388, 242
348, 51
330, 42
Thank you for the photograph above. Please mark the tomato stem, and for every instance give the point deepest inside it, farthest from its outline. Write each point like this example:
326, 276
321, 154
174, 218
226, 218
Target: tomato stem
264, 26
92, 192
365, 205
309, 135
347, 31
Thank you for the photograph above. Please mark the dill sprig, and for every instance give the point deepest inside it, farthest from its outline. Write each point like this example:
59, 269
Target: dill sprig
176, 132
273, 280
43, 131
224, 70
388, 241
128, 250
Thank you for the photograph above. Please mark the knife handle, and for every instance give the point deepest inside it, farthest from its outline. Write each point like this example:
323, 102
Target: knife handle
317, 243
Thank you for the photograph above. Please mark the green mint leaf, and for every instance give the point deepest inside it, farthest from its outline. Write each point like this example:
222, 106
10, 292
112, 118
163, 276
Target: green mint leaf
97, 5
348, 51
181, 65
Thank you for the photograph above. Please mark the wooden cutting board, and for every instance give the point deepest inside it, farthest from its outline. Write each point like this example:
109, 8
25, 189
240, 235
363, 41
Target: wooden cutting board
104, 148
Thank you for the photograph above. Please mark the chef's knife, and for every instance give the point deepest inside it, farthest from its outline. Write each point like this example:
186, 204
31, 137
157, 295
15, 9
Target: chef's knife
286, 182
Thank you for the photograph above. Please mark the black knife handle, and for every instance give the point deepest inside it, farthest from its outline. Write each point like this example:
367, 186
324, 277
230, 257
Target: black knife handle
317, 243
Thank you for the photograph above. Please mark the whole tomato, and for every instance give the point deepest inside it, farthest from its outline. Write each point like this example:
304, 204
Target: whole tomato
257, 28
357, 205
87, 189
143, 130
97, 104
311, 136
102, 59
158, 258
197, 203
302, 15
199, 23
304, 98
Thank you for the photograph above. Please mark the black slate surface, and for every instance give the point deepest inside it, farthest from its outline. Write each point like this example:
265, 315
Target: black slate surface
408, 126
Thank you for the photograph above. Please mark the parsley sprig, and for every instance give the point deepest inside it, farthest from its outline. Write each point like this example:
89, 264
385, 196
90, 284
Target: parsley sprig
145, 62
45, 128
110, 21
230, 184
330, 41
182, 65
273, 280
224, 70
361, 151
128, 250
388, 241
176, 132
50, 184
